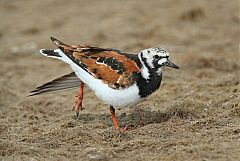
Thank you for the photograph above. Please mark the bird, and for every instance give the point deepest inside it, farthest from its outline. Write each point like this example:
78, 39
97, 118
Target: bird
116, 77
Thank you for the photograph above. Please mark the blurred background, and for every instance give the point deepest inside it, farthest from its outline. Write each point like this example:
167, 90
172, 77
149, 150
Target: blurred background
194, 116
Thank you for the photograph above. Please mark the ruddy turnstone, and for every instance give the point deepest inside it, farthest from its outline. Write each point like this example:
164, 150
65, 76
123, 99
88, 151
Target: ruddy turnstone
116, 77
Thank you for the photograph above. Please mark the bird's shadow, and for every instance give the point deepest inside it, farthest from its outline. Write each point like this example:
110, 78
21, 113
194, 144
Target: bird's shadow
135, 118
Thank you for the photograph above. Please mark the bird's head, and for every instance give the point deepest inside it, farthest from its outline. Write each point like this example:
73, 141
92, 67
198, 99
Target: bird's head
155, 58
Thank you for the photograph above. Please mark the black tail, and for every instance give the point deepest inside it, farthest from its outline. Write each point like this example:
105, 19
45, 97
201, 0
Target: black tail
51, 53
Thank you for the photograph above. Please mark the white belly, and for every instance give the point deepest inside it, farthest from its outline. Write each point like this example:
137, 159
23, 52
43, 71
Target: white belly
113, 97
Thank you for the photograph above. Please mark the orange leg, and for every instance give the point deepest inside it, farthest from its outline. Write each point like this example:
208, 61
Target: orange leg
112, 110
79, 99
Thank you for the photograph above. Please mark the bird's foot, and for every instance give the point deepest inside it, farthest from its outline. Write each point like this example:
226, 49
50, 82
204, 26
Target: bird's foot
123, 129
78, 104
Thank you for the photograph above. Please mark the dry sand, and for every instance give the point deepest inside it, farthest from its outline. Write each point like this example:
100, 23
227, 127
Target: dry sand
195, 115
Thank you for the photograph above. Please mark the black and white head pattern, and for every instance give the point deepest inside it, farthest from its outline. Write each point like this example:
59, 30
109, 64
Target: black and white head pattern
152, 60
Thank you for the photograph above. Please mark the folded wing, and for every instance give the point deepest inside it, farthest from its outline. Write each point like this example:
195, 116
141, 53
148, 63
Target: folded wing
113, 67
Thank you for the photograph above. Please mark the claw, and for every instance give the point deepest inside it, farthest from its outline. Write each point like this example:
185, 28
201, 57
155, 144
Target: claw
77, 114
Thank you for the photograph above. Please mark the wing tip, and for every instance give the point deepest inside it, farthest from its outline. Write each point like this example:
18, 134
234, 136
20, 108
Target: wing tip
56, 41
53, 39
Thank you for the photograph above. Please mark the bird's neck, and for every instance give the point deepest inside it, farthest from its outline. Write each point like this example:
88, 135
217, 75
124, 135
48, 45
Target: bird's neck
149, 80
148, 86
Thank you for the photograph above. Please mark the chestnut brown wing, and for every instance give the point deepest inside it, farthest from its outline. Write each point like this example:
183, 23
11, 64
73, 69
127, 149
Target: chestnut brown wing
109, 65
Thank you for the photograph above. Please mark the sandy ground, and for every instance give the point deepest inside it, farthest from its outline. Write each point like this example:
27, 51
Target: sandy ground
195, 115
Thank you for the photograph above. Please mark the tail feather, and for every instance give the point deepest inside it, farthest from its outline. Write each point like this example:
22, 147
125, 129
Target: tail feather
50, 53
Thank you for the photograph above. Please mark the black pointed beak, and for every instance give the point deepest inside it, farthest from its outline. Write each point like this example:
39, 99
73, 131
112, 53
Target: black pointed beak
170, 64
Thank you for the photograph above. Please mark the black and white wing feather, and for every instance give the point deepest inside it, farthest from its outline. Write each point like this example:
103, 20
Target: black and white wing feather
65, 82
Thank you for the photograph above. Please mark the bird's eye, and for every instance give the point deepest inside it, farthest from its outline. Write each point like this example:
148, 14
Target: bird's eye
156, 57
